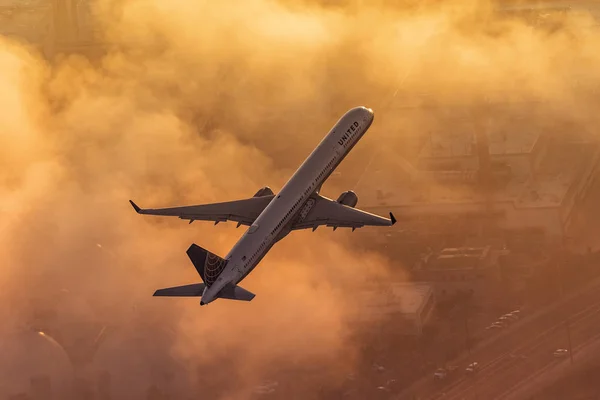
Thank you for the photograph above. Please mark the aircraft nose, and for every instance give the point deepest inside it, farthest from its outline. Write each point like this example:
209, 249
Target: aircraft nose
367, 109
368, 113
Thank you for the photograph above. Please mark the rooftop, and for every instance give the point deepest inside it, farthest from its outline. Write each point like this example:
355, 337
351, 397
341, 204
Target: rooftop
27, 19
553, 178
544, 192
465, 252
460, 258
463, 144
24, 3
395, 298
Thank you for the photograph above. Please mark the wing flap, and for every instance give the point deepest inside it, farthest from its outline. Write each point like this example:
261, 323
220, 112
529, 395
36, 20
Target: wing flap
242, 211
327, 212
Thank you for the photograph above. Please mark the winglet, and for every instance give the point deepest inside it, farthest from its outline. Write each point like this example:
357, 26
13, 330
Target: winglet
392, 218
135, 207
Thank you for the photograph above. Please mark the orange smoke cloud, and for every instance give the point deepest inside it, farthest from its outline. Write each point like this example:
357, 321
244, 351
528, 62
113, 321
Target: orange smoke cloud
201, 102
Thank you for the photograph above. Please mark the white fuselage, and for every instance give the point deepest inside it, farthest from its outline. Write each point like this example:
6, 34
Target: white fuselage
274, 222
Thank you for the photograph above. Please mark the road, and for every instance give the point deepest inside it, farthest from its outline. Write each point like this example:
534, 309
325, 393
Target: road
585, 359
500, 377
535, 338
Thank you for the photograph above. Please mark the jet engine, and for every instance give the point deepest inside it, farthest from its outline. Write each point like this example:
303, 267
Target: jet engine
348, 198
266, 191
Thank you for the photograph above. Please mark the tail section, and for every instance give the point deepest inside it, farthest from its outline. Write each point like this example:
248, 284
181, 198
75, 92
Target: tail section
208, 265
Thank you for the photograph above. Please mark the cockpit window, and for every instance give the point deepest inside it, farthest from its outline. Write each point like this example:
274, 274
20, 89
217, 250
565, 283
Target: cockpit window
253, 228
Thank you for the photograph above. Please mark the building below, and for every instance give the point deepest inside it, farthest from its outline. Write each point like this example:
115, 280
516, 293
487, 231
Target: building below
33, 366
406, 306
52, 26
520, 177
460, 271
549, 15
27, 21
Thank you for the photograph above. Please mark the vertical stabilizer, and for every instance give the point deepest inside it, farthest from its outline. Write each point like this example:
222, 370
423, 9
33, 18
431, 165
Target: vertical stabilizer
208, 265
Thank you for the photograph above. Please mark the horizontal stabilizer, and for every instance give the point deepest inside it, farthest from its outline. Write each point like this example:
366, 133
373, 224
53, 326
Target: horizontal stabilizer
194, 290
232, 292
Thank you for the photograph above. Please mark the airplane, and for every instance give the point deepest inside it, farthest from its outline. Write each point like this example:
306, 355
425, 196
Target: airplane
271, 217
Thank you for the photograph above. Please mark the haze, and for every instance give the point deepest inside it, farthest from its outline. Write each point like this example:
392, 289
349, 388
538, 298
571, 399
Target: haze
203, 101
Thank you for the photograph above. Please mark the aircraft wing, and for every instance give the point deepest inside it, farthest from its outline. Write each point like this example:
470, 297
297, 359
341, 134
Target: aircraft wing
330, 213
244, 212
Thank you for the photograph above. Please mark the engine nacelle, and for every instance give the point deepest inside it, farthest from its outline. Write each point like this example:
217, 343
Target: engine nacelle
266, 191
348, 198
